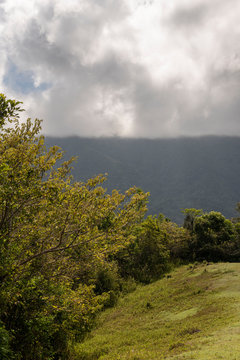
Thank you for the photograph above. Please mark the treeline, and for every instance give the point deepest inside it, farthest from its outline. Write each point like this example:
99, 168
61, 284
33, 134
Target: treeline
69, 249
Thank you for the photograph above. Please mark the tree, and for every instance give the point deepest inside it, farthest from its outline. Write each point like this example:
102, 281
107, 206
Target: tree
53, 232
157, 243
8, 109
190, 217
213, 237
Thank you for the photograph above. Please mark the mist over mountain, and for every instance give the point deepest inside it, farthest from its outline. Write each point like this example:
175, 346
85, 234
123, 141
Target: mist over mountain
179, 173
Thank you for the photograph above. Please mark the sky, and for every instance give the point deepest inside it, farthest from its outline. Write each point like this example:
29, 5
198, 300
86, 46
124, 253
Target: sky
131, 68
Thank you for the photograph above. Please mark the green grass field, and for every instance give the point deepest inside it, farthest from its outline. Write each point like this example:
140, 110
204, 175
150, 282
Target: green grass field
194, 313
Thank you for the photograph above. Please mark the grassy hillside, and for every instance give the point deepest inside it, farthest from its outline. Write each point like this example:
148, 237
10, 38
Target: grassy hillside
194, 313
200, 173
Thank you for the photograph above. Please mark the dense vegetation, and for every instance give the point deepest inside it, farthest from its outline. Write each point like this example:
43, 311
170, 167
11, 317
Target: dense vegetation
69, 248
56, 235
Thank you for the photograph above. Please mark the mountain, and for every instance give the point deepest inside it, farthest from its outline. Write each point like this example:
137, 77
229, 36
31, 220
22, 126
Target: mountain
179, 173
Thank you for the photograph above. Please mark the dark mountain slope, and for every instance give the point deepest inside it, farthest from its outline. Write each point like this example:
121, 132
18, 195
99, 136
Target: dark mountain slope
199, 172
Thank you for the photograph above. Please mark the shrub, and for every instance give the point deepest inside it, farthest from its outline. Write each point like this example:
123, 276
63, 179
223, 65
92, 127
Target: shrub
147, 257
213, 238
5, 350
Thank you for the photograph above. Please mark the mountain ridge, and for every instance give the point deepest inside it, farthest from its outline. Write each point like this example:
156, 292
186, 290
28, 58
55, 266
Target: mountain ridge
199, 172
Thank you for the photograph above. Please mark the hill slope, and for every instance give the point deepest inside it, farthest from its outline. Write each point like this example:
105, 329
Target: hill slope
194, 314
180, 173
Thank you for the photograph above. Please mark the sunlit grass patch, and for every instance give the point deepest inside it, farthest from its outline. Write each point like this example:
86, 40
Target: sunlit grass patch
192, 315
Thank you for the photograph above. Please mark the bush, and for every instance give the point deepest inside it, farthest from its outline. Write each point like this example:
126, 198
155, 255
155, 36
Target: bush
147, 257
5, 350
213, 238
108, 281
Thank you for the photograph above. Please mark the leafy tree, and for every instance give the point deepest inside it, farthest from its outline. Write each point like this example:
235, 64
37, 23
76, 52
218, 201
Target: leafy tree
213, 237
213, 228
155, 247
54, 232
8, 109
190, 217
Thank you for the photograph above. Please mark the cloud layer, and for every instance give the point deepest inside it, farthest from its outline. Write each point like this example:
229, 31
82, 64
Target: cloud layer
127, 68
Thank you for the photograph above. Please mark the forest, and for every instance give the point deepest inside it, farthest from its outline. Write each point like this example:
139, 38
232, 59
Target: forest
69, 249
186, 172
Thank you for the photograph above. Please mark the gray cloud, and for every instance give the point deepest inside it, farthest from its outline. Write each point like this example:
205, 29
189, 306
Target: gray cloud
104, 68
190, 16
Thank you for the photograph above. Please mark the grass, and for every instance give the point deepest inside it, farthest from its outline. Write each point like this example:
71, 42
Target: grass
194, 314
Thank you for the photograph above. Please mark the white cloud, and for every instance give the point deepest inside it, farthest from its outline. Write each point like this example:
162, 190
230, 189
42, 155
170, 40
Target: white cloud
128, 68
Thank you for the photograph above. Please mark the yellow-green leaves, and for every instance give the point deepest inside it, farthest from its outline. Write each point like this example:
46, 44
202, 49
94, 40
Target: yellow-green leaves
54, 234
9, 109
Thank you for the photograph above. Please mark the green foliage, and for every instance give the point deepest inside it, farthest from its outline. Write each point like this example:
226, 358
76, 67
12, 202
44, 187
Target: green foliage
108, 281
5, 350
213, 237
9, 109
213, 229
67, 248
54, 233
190, 217
147, 257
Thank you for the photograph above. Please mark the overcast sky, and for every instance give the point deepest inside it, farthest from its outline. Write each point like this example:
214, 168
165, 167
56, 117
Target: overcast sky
136, 68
